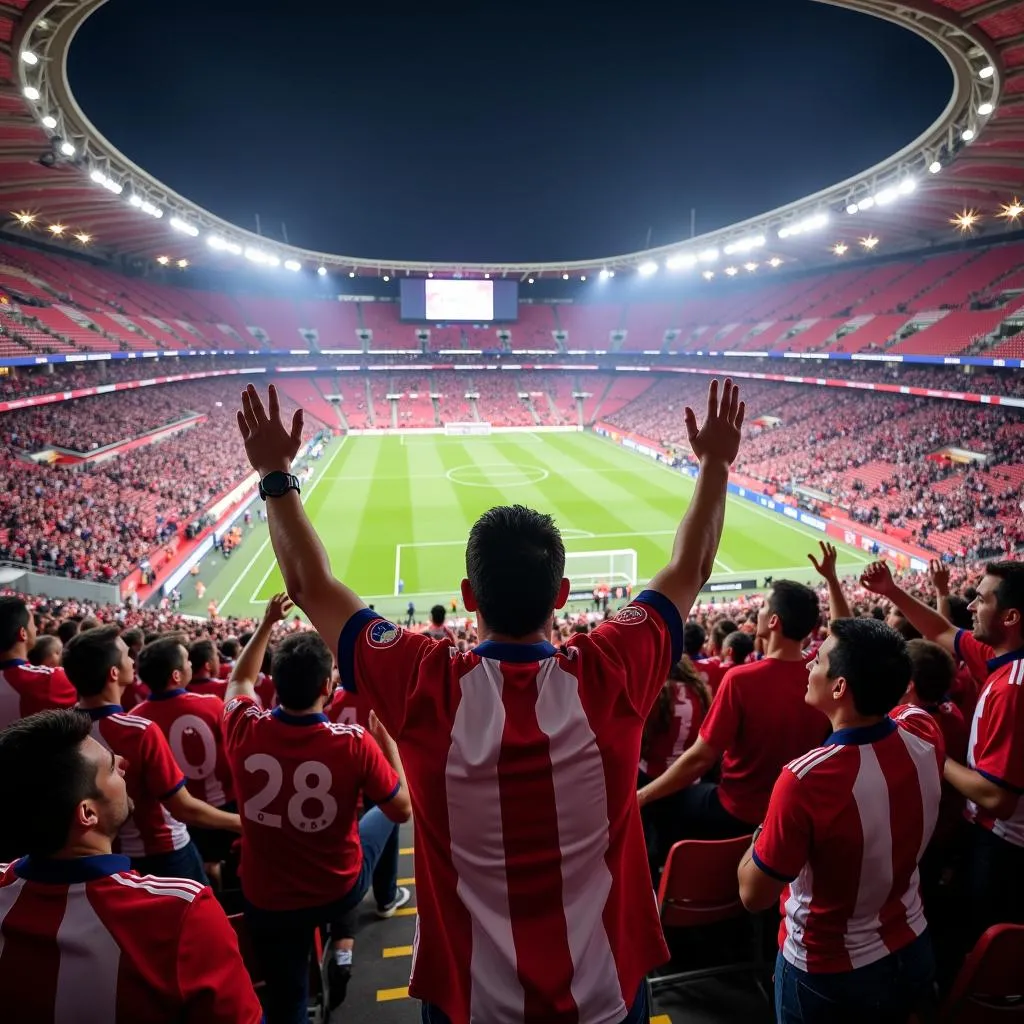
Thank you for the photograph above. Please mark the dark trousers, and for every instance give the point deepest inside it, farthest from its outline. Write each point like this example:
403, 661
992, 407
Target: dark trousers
639, 1012
993, 883
283, 939
885, 992
184, 863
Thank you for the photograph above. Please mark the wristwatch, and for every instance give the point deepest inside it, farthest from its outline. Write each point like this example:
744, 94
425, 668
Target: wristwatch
276, 484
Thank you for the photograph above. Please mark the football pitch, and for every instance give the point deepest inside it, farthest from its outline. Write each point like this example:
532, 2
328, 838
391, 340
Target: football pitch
394, 513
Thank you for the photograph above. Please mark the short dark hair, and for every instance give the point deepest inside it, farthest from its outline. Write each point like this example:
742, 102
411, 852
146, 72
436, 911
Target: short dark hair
88, 658
872, 657
932, 670
721, 630
797, 607
301, 664
42, 648
13, 616
437, 614
1010, 591
43, 777
89, 623
693, 638
515, 561
904, 627
230, 648
959, 612
158, 659
200, 653
134, 637
741, 644
67, 629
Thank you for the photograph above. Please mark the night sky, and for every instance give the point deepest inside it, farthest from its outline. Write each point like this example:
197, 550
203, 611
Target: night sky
534, 131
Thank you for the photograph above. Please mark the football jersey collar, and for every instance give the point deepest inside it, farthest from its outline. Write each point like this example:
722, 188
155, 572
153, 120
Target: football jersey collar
862, 734
283, 716
104, 712
166, 695
521, 653
68, 872
1003, 659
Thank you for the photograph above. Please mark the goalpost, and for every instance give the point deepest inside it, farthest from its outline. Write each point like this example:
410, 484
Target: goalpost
586, 569
472, 429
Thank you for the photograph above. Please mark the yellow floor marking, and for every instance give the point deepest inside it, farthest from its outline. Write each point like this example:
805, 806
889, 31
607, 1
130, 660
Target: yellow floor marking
406, 850
406, 881
390, 952
662, 1018
405, 912
386, 995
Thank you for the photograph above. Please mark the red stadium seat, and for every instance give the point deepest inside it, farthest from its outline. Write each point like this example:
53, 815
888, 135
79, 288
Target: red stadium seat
990, 986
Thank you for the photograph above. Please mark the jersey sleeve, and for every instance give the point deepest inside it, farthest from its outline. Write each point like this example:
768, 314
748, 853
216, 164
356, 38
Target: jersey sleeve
162, 774
643, 641
62, 693
380, 781
239, 715
381, 661
784, 846
999, 748
973, 653
722, 724
214, 985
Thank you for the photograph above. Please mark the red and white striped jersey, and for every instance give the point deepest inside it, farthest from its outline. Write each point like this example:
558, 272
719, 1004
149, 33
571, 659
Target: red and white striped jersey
88, 941
666, 744
533, 890
194, 726
846, 826
151, 776
298, 779
26, 689
995, 748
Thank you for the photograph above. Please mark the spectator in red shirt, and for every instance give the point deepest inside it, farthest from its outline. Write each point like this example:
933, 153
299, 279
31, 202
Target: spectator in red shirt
206, 669
757, 723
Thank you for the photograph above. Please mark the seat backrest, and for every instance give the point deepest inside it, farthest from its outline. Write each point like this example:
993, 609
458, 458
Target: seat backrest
990, 985
699, 884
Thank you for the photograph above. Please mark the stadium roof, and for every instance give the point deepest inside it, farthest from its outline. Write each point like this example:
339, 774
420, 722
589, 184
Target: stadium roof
962, 174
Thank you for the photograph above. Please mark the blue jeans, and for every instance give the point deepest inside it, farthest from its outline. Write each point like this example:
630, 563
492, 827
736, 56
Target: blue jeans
184, 863
639, 1012
283, 939
885, 992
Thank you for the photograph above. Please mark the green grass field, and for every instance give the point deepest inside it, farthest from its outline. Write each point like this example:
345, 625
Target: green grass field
400, 507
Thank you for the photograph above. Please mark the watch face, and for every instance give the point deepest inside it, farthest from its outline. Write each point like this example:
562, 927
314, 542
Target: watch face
276, 483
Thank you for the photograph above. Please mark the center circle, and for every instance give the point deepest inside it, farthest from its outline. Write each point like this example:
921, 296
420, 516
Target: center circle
496, 474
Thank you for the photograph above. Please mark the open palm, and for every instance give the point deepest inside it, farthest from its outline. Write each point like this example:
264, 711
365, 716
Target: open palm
269, 444
719, 436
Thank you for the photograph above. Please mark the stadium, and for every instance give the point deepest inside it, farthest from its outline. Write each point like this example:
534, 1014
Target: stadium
875, 327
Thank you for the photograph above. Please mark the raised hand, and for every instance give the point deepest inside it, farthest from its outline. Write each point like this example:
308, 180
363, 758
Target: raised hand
826, 568
269, 444
278, 608
938, 573
719, 436
878, 579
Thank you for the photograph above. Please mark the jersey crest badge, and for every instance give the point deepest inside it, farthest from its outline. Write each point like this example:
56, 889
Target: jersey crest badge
383, 633
632, 615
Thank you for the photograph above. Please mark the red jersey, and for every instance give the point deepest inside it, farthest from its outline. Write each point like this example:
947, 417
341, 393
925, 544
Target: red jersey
265, 691
964, 691
298, 780
26, 689
218, 687
194, 726
151, 775
88, 941
667, 743
349, 708
711, 670
995, 747
533, 889
760, 721
846, 827
134, 694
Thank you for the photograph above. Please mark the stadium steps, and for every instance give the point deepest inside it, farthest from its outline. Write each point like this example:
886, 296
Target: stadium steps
371, 413
320, 383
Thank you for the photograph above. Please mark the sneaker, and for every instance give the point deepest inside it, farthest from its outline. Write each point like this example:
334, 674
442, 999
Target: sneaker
402, 896
338, 977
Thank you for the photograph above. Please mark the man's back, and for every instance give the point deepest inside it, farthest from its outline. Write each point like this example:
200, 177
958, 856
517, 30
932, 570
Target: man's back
26, 689
533, 890
88, 941
760, 720
193, 724
298, 779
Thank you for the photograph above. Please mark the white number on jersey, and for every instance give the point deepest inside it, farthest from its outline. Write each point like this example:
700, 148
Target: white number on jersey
311, 782
175, 737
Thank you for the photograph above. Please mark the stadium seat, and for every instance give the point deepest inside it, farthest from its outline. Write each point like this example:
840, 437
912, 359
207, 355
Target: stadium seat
990, 986
698, 888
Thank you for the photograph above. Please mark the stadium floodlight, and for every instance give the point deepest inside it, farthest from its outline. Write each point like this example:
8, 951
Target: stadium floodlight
185, 228
30, 92
907, 185
163, 260
745, 244
182, 264
583, 277
867, 203
487, 277
811, 223
256, 256
352, 273
108, 183
934, 167
565, 277
292, 265
681, 261
985, 109
750, 267
987, 71
852, 209
222, 245
605, 274
67, 148
645, 269
321, 271
967, 134
387, 277
886, 196
708, 256
708, 274
49, 121
29, 58
731, 271
775, 262
98, 176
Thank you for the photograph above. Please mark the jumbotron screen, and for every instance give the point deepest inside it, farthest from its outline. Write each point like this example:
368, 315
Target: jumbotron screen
447, 301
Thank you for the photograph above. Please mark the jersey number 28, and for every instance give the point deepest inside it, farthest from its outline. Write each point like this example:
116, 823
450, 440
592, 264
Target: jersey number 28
311, 790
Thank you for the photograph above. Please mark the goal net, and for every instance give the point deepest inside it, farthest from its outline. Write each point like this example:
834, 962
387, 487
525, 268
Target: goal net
588, 569
472, 429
